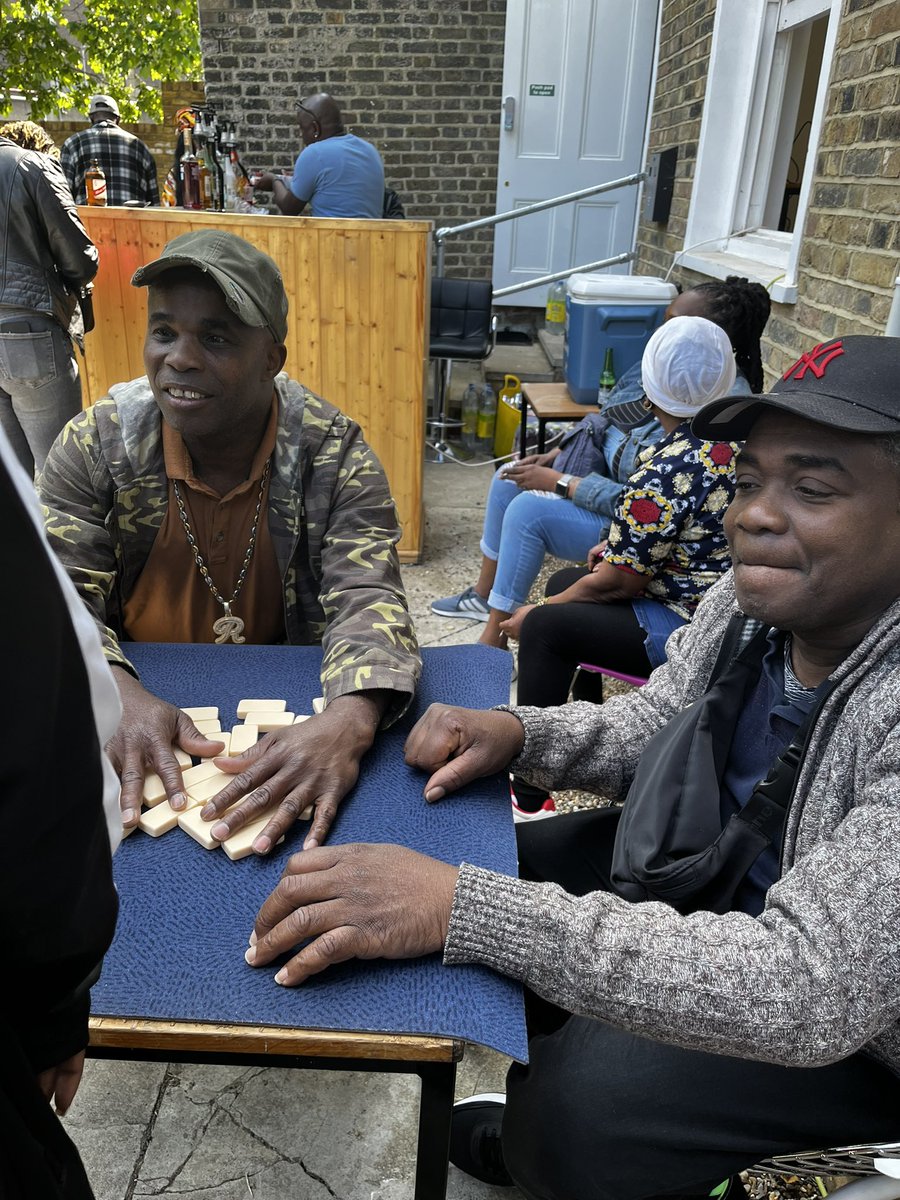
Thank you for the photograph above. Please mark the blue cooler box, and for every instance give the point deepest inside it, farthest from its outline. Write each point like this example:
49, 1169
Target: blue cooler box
609, 311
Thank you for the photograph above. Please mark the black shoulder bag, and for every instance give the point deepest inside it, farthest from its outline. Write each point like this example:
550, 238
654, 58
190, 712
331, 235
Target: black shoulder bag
670, 844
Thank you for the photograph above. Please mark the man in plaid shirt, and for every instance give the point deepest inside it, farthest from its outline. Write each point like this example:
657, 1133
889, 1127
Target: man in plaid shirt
127, 163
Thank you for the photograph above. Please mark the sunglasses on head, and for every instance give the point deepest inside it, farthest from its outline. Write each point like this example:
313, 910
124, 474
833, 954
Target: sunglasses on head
309, 113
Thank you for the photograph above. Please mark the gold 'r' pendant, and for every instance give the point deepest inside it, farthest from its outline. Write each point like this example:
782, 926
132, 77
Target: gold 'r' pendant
228, 628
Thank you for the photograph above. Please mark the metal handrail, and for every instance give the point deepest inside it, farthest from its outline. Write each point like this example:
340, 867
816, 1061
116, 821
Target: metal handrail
514, 213
627, 256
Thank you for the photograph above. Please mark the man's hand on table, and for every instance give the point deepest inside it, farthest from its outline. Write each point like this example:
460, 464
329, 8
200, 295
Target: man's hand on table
144, 742
457, 745
314, 763
355, 901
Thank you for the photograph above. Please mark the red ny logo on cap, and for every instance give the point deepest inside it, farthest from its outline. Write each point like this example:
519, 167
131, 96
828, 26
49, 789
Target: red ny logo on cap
815, 360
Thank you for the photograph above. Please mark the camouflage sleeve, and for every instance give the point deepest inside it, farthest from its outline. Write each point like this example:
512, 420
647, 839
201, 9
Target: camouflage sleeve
369, 641
75, 490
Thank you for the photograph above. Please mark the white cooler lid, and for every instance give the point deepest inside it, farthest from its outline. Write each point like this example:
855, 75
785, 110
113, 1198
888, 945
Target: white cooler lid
620, 289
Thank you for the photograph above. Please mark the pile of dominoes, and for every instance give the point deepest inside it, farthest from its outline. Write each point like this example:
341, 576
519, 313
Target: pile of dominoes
204, 780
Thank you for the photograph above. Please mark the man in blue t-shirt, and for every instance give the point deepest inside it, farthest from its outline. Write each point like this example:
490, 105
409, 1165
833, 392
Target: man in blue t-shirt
337, 174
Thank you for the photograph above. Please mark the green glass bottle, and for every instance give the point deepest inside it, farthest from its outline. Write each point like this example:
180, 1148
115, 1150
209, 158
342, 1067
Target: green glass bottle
608, 378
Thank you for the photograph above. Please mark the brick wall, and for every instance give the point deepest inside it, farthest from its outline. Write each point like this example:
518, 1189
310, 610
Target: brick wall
159, 138
850, 253
418, 78
851, 246
684, 46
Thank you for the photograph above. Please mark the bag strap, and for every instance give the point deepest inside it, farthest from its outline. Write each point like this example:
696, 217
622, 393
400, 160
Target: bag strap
766, 810
739, 632
617, 458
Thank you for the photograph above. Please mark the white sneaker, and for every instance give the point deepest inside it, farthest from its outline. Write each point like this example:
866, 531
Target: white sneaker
468, 605
547, 809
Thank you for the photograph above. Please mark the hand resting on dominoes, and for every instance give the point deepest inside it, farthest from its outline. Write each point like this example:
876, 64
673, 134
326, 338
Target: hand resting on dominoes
313, 763
148, 736
300, 767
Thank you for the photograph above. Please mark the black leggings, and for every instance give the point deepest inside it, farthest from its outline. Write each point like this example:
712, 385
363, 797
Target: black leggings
557, 637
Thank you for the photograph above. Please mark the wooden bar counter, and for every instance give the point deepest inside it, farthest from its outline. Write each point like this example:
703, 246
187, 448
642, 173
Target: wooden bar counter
357, 325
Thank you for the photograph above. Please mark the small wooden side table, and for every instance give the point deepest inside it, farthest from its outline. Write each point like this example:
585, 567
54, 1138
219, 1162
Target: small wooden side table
550, 402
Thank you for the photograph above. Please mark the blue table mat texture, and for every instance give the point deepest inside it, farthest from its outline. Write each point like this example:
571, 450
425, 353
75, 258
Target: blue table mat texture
186, 912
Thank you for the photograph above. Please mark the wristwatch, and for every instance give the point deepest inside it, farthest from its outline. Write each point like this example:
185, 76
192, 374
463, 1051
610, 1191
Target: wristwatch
561, 486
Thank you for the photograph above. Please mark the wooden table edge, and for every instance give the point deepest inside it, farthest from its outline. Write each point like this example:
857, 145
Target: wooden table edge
202, 1037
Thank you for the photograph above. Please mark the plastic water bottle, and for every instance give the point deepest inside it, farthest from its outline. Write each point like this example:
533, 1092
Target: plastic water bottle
470, 405
487, 417
555, 313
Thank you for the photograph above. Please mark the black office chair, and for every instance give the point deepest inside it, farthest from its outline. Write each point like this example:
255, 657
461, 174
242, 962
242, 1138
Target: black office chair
462, 326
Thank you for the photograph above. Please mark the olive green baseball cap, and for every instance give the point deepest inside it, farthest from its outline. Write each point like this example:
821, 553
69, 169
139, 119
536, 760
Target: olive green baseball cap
249, 280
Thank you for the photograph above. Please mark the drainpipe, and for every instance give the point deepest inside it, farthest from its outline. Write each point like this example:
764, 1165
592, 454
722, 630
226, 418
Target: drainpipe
892, 329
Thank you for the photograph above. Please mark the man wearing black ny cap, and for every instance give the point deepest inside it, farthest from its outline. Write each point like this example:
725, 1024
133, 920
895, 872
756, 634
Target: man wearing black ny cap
712, 968
218, 500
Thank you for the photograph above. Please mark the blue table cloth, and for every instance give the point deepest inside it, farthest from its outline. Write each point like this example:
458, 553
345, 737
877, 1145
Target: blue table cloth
186, 912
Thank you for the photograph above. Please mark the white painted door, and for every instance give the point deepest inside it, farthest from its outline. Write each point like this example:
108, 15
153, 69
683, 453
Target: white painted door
576, 88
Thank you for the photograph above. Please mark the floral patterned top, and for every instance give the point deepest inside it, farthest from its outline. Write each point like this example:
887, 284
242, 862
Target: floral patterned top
668, 526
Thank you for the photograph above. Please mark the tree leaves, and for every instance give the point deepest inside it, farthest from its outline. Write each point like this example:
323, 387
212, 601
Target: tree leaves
118, 47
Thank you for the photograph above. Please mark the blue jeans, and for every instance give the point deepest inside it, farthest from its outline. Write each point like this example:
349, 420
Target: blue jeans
39, 386
521, 527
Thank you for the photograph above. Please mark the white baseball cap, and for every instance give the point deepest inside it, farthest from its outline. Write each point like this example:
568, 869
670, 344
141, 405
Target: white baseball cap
103, 102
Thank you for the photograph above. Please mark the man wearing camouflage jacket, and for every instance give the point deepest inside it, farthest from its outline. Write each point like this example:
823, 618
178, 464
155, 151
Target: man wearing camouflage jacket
218, 499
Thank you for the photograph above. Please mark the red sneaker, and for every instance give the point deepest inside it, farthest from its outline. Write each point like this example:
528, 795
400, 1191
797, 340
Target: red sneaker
547, 809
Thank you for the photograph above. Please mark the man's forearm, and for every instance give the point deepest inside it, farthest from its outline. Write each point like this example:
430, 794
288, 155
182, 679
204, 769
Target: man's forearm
285, 200
361, 714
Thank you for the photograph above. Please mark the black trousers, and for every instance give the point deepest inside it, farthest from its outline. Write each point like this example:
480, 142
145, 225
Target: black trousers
557, 637
599, 1114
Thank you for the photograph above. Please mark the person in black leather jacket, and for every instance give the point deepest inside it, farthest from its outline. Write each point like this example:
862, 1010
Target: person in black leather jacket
48, 258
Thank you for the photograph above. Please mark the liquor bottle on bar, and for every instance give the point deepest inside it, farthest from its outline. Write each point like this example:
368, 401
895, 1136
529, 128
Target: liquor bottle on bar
95, 184
200, 152
168, 191
244, 187
608, 377
190, 174
205, 181
214, 162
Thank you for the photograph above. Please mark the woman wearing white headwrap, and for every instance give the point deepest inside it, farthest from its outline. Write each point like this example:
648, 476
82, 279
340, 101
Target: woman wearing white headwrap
562, 502
665, 546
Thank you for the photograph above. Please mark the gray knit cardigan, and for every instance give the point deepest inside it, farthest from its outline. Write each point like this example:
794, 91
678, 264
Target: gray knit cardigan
816, 976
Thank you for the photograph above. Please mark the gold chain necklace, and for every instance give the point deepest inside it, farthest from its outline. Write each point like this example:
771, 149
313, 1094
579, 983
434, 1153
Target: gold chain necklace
228, 626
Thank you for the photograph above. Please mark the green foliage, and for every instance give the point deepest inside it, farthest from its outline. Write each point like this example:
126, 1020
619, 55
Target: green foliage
117, 47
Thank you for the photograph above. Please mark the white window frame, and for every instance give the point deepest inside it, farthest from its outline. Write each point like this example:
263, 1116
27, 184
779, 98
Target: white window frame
749, 78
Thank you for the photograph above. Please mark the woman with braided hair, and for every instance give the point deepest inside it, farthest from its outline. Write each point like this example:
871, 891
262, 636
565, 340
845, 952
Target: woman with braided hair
627, 635
527, 515
741, 308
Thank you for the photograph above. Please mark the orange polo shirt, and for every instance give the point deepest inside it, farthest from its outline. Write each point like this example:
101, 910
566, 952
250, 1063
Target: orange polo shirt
171, 602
